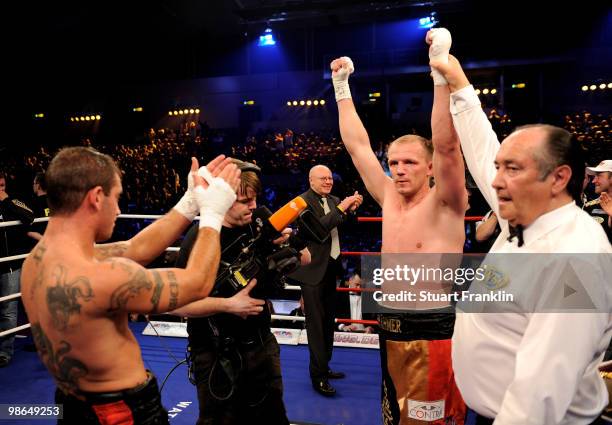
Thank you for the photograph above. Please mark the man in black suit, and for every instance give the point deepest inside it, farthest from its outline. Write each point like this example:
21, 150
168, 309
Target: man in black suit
318, 279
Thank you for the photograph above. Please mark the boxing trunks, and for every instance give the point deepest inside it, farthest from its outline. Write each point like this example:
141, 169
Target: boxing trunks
418, 380
140, 405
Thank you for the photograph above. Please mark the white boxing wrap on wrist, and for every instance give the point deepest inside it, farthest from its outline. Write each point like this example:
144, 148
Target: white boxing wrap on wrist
441, 41
187, 205
214, 202
340, 79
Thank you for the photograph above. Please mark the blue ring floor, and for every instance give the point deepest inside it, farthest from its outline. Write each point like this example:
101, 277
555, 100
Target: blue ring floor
26, 380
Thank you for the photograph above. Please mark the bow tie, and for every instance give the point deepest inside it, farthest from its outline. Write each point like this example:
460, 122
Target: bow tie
516, 232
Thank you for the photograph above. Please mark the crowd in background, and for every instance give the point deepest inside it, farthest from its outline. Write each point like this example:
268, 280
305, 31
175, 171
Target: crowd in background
155, 171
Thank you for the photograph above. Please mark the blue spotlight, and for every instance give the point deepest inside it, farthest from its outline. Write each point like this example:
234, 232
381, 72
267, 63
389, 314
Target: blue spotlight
428, 22
267, 39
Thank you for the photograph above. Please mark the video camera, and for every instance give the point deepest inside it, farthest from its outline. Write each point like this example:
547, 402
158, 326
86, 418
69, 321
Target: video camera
260, 257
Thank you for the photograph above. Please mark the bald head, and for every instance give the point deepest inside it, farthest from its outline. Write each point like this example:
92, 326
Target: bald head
317, 170
321, 180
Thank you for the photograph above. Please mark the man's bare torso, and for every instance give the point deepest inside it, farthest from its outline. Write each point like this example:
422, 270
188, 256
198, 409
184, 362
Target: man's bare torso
428, 228
84, 343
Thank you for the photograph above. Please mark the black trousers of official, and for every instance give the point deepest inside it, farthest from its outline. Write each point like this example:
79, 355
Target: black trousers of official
320, 312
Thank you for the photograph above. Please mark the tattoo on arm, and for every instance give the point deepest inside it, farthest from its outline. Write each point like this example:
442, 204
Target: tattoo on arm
37, 256
159, 285
137, 282
117, 249
65, 369
38, 281
174, 291
63, 298
39, 252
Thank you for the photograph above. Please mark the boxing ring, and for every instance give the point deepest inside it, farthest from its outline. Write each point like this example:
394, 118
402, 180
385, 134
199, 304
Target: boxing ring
26, 380
163, 346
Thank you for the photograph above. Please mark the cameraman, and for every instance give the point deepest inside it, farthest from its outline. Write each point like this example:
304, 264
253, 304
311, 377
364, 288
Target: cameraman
236, 359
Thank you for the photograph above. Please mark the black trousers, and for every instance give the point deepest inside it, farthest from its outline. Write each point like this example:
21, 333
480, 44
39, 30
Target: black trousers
257, 395
320, 312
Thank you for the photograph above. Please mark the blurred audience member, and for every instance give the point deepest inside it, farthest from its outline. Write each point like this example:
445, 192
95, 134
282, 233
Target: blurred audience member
14, 241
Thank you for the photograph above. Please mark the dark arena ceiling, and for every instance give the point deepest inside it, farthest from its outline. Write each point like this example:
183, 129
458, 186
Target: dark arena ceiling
176, 39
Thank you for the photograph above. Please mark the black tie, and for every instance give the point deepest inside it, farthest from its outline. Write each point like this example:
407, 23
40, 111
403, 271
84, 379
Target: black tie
516, 231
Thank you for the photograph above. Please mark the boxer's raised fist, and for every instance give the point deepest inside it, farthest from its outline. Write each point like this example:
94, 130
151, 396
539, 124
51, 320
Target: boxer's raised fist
341, 69
439, 40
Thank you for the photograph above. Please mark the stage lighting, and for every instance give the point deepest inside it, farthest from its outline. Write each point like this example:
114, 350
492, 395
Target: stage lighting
584, 88
39, 115
181, 112
295, 103
493, 91
98, 117
519, 86
267, 39
375, 94
315, 103
170, 113
248, 102
302, 103
593, 87
87, 118
485, 91
321, 102
197, 111
610, 85
477, 91
191, 111
289, 103
308, 102
137, 109
428, 21
602, 86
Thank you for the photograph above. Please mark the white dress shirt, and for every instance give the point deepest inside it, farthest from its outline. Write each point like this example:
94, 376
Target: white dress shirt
525, 367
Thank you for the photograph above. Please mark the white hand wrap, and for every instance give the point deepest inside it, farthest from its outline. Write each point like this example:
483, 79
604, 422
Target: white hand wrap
440, 46
214, 201
187, 205
340, 79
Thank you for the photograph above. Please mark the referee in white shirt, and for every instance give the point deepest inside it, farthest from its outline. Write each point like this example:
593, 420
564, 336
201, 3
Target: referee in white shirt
527, 367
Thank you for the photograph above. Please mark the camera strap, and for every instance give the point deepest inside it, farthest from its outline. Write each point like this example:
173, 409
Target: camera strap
225, 349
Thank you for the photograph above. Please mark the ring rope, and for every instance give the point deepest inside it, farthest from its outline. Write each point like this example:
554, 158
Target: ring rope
175, 249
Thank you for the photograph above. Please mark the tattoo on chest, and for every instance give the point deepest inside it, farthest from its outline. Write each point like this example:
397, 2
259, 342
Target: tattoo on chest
65, 369
63, 299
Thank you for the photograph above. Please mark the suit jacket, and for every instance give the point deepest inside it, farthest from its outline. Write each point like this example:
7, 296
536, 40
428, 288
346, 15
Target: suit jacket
313, 273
